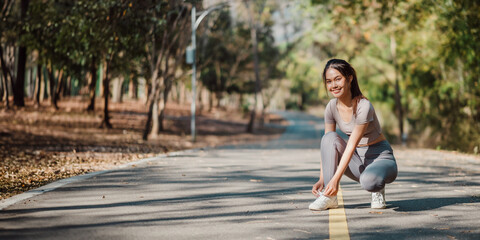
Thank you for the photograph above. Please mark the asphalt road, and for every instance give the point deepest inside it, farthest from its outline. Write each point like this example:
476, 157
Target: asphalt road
257, 191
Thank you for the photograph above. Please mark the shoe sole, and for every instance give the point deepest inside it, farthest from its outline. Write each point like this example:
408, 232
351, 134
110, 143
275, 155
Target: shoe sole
317, 209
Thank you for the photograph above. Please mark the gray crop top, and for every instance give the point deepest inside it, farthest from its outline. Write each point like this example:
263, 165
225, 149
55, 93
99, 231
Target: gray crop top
365, 114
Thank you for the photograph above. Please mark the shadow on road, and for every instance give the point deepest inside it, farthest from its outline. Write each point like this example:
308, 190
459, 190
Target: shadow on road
421, 204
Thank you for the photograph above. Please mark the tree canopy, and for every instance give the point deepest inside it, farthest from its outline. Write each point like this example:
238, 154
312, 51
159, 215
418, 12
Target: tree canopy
417, 60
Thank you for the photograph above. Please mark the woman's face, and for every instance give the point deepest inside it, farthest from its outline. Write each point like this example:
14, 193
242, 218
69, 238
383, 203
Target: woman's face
336, 83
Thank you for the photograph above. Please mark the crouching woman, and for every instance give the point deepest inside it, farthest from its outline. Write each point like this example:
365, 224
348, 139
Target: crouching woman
366, 157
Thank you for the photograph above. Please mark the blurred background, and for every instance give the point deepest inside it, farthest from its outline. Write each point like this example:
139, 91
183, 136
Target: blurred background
417, 61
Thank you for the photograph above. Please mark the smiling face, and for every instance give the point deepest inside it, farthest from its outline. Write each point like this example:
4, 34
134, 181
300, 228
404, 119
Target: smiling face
337, 84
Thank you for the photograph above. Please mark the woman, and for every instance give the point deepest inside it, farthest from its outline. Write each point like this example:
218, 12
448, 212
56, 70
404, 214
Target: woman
367, 156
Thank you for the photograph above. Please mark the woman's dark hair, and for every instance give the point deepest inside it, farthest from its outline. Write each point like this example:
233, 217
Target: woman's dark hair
346, 70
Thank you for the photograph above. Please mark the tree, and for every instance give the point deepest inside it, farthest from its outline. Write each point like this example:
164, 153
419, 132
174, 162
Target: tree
167, 31
78, 36
222, 56
123, 33
7, 38
253, 34
416, 57
18, 93
48, 32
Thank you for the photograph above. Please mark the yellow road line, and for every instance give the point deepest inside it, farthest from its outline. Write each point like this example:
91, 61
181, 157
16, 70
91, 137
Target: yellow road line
338, 226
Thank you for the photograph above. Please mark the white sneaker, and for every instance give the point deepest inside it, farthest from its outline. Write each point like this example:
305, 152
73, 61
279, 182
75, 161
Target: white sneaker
378, 199
324, 203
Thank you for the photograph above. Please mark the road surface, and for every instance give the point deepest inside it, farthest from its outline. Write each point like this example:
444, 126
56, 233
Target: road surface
256, 191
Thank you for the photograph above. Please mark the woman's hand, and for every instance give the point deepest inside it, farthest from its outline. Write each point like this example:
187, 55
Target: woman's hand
317, 187
332, 188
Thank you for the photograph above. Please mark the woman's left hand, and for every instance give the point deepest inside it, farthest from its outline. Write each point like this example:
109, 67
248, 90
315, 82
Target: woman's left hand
332, 188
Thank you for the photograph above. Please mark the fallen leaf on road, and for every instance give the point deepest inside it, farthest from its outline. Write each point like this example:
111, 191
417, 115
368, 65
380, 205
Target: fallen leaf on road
376, 212
255, 180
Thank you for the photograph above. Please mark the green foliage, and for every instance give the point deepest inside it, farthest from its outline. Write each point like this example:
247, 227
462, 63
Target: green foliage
227, 51
434, 57
429, 47
75, 34
305, 79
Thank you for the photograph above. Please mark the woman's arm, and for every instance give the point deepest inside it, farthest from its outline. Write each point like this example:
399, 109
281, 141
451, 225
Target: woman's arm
330, 127
332, 188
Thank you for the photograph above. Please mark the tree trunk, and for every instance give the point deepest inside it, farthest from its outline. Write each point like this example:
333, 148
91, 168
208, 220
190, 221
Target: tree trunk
218, 91
155, 123
1, 88
161, 116
398, 96
151, 129
60, 85
147, 88
6, 74
218, 98
262, 118
132, 88
210, 101
253, 35
18, 90
38, 82
240, 102
163, 103
117, 89
399, 109
303, 97
103, 70
106, 92
152, 90
30, 84
93, 86
51, 78
200, 97
148, 125
44, 85
265, 105
68, 87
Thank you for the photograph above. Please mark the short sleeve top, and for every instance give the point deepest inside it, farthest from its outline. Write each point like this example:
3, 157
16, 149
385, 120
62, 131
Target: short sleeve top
365, 114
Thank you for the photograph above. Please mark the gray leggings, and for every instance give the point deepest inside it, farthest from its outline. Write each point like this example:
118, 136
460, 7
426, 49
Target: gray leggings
373, 166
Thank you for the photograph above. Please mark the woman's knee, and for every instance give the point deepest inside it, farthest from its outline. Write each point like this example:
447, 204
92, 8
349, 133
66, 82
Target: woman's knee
372, 182
377, 174
329, 138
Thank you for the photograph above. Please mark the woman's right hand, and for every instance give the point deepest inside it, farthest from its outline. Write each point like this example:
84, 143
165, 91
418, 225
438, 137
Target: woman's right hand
317, 187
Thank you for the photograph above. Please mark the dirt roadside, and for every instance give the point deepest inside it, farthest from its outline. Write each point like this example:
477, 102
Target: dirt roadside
39, 146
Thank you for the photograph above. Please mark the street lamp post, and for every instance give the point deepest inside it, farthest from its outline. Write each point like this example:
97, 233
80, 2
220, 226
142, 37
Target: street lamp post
191, 60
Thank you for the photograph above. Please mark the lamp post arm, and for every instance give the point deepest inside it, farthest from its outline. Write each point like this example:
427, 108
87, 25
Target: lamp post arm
206, 12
